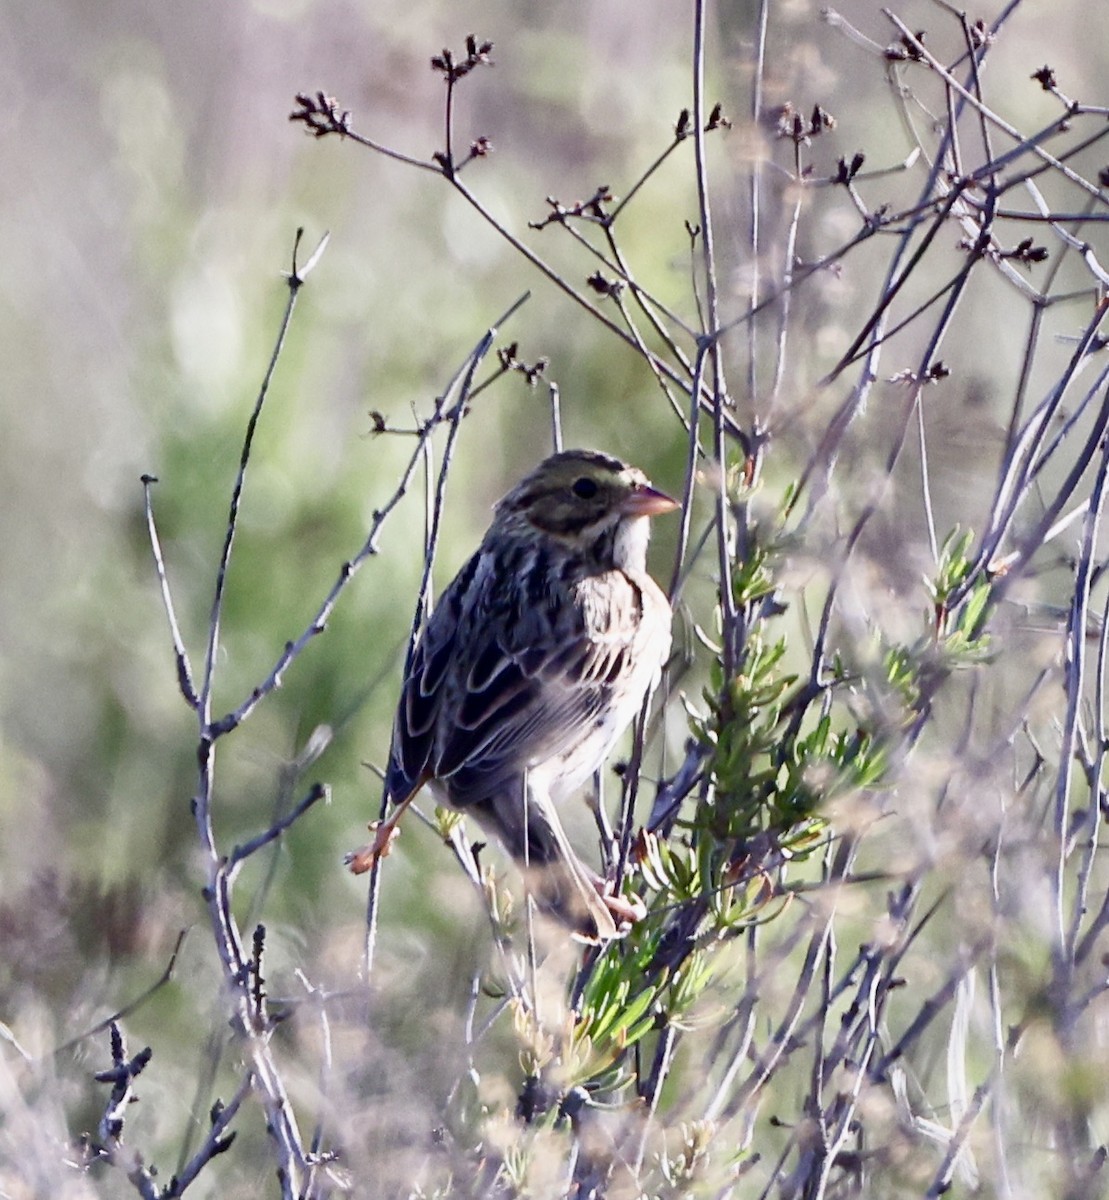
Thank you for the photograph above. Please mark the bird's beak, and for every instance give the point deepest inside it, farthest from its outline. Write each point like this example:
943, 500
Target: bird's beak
647, 501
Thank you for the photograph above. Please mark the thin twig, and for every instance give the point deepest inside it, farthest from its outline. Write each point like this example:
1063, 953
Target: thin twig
295, 280
180, 654
133, 1005
318, 791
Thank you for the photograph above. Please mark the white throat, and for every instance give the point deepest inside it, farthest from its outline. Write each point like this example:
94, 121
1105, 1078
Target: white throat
629, 547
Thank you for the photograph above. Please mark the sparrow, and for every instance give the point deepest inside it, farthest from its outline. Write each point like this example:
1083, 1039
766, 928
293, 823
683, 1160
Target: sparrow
537, 657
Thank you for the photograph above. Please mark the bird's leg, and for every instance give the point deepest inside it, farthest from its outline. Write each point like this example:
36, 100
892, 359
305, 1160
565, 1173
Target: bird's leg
385, 832
561, 883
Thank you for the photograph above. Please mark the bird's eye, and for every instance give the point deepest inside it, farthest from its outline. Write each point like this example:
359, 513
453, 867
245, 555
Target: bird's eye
584, 488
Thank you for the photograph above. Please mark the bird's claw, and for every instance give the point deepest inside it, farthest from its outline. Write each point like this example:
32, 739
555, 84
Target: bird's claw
626, 910
361, 860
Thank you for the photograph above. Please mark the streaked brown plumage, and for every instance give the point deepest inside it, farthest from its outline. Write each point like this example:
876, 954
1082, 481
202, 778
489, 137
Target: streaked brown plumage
535, 660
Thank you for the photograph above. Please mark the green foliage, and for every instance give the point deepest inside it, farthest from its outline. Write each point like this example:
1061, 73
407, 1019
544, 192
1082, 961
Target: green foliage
778, 748
953, 637
629, 994
960, 635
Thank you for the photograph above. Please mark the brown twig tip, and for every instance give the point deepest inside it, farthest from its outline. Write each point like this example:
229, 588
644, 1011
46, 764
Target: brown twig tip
146, 480
907, 49
846, 171
1026, 253
1045, 77
321, 114
980, 35
531, 373
794, 127
936, 373
821, 120
717, 120
683, 127
477, 55
605, 287
588, 210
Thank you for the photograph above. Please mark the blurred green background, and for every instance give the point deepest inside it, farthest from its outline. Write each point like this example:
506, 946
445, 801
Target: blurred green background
150, 192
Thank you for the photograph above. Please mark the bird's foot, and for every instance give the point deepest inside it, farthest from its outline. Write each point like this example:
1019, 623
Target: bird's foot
626, 910
361, 860
385, 834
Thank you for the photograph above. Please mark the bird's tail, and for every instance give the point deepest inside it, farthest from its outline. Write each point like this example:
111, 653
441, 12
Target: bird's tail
559, 882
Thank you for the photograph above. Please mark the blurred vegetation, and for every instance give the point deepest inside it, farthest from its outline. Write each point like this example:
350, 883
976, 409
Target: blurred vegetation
873, 960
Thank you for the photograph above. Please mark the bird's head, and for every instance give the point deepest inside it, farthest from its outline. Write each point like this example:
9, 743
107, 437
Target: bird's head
589, 502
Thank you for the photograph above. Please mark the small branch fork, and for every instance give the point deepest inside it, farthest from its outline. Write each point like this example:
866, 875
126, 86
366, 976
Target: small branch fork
321, 115
109, 1146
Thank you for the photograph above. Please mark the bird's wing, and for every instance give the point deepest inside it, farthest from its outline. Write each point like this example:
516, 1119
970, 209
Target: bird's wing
423, 691
536, 702
486, 695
